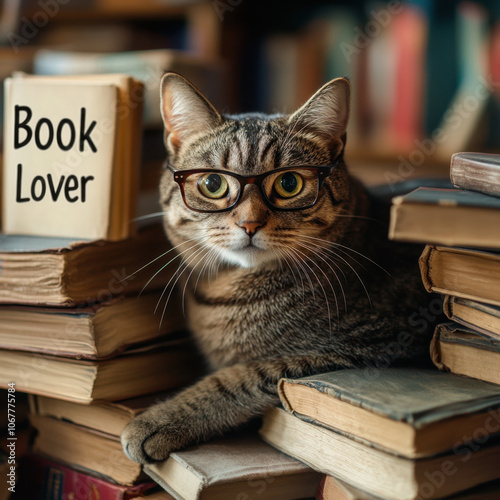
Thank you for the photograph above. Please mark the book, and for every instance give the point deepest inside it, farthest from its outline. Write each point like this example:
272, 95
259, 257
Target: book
450, 217
150, 369
71, 153
375, 471
410, 412
460, 350
476, 171
466, 273
409, 35
332, 488
67, 272
94, 331
225, 469
99, 453
110, 417
46, 479
483, 318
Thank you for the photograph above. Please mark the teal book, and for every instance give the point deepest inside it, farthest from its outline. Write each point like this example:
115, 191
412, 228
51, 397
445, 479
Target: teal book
451, 217
409, 412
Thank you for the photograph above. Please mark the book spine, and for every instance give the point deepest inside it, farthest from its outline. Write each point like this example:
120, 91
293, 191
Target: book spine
424, 263
448, 307
481, 176
435, 349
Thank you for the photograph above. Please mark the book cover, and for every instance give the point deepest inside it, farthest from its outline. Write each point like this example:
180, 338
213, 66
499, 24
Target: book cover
379, 473
484, 318
462, 351
59, 148
228, 468
450, 217
45, 479
154, 368
90, 331
55, 271
411, 412
462, 272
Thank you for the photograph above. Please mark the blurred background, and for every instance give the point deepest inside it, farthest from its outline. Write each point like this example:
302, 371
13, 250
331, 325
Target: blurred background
425, 73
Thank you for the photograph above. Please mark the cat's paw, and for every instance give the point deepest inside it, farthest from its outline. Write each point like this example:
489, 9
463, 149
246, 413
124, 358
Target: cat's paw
148, 439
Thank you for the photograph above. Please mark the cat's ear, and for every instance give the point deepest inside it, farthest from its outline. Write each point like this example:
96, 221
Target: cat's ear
327, 111
185, 111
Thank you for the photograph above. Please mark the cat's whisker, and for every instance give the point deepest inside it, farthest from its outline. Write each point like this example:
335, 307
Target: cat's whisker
300, 261
160, 256
351, 267
169, 262
181, 264
327, 262
349, 249
281, 252
149, 216
207, 259
322, 288
179, 273
330, 257
189, 276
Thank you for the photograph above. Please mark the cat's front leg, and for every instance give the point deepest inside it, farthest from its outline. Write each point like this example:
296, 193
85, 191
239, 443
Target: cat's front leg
216, 404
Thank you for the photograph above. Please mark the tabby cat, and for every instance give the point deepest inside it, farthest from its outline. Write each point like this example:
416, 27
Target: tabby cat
288, 272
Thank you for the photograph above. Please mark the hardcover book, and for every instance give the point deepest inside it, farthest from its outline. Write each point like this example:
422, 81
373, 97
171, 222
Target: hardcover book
484, 318
332, 488
71, 156
410, 412
377, 472
110, 417
460, 350
95, 331
84, 448
67, 272
231, 468
45, 479
450, 217
476, 171
470, 274
157, 367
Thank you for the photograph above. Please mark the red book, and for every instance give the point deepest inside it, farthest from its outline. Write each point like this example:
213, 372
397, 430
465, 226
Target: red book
409, 30
43, 479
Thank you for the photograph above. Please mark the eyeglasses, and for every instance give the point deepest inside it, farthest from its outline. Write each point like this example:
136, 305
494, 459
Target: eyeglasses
288, 188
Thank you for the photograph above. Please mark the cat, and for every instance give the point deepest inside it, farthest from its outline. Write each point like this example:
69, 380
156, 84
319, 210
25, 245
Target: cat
289, 276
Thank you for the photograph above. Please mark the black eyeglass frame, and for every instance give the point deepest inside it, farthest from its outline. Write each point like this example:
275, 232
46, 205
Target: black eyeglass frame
180, 176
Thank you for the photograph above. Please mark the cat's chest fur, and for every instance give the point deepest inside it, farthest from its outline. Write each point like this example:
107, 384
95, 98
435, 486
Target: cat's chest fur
242, 316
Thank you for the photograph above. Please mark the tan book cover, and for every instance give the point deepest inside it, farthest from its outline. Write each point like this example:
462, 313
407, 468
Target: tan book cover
71, 156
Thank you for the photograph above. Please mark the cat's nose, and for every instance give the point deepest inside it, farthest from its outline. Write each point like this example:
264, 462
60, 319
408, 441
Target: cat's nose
250, 227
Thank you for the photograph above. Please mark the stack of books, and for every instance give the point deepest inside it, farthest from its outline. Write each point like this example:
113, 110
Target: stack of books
398, 434
461, 261
74, 332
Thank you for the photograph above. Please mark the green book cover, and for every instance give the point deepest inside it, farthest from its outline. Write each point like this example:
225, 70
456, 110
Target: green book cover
415, 396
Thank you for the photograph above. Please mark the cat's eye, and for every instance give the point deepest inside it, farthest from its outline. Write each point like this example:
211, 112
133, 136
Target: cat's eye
288, 184
213, 186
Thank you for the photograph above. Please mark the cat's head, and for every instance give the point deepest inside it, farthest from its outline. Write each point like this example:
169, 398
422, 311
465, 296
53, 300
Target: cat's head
282, 217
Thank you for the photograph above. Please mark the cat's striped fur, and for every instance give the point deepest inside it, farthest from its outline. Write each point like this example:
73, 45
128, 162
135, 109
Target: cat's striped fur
305, 297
